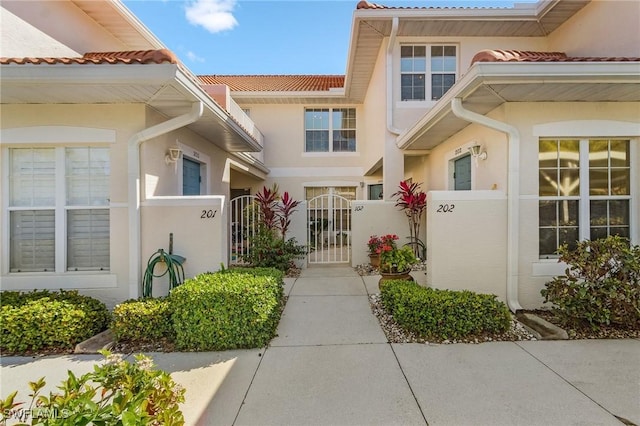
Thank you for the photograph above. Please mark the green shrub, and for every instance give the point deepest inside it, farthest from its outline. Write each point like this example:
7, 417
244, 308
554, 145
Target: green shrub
227, 310
115, 393
601, 285
269, 250
144, 320
42, 319
443, 314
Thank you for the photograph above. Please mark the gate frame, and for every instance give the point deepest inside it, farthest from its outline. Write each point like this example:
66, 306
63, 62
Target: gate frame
333, 231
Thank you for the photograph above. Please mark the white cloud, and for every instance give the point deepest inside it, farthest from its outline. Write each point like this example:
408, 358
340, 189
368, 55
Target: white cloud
213, 15
193, 57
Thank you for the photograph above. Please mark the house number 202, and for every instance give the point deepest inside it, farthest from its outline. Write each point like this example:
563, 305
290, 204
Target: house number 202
445, 208
208, 214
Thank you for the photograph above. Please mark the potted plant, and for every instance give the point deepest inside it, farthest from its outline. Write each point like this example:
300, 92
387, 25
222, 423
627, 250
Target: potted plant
374, 246
395, 263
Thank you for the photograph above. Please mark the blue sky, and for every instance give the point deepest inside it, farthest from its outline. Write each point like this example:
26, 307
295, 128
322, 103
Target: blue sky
263, 36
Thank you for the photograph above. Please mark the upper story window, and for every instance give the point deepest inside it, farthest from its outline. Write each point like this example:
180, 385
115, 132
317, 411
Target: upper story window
330, 129
59, 209
419, 64
584, 189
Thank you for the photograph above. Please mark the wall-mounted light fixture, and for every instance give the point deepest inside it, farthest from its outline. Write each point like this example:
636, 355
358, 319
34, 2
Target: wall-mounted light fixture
361, 184
476, 152
172, 157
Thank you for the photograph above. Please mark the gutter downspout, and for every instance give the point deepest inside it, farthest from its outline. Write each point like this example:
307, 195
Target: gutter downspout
513, 193
392, 41
197, 109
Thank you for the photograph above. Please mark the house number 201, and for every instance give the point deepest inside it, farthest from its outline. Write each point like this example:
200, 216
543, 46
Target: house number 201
208, 214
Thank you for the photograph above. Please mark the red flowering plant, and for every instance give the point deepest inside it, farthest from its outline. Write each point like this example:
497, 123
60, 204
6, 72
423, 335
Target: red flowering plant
374, 245
414, 202
394, 259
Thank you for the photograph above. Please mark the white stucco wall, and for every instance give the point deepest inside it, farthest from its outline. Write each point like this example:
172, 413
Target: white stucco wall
602, 28
71, 122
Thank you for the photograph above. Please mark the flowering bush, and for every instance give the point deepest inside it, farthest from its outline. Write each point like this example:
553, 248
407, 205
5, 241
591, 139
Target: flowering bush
394, 259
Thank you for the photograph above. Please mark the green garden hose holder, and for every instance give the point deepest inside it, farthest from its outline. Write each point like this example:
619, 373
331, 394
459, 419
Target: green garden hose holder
174, 269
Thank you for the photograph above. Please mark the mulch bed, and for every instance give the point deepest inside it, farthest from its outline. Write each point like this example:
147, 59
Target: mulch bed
585, 331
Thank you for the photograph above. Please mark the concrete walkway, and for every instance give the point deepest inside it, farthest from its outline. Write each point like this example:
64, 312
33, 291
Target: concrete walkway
331, 365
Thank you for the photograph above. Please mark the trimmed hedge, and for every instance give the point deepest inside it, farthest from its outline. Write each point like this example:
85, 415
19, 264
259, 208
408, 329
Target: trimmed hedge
144, 320
443, 314
237, 308
42, 319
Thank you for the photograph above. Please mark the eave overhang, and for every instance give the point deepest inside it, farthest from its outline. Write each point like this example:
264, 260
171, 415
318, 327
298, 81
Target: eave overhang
371, 26
165, 87
486, 86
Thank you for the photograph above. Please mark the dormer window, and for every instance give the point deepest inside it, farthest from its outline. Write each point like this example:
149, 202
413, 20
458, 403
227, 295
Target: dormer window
420, 62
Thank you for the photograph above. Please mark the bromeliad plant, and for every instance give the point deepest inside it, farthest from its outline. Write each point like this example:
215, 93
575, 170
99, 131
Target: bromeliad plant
414, 202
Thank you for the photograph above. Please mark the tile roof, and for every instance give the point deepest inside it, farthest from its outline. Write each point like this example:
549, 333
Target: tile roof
276, 83
529, 56
126, 57
363, 4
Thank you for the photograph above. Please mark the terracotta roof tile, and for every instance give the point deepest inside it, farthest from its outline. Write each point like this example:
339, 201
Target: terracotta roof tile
276, 83
363, 4
126, 57
529, 56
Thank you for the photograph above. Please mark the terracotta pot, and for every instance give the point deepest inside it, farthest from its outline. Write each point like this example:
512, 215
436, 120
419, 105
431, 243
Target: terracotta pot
374, 260
388, 276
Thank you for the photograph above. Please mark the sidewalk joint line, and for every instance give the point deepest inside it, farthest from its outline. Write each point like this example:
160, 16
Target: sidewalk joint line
409, 384
250, 384
567, 381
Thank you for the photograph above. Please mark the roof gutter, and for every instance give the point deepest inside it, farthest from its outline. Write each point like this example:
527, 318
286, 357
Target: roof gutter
197, 109
392, 40
513, 193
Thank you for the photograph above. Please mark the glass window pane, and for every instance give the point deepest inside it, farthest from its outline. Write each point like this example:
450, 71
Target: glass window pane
568, 212
598, 182
569, 182
32, 179
449, 51
620, 153
618, 212
598, 233
548, 154
88, 240
406, 65
437, 51
568, 236
598, 212
548, 183
406, 51
622, 231
569, 153
620, 181
420, 51
419, 65
448, 80
598, 153
32, 241
317, 141
437, 64
449, 64
87, 176
547, 241
547, 213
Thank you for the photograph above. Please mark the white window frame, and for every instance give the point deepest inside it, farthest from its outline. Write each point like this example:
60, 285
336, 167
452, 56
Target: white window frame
58, 137
330, 130
429, 72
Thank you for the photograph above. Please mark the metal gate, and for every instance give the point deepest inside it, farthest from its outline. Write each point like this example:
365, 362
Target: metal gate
243, 226
329, 224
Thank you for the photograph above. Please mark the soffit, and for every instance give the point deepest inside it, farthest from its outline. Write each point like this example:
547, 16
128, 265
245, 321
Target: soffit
115, 18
